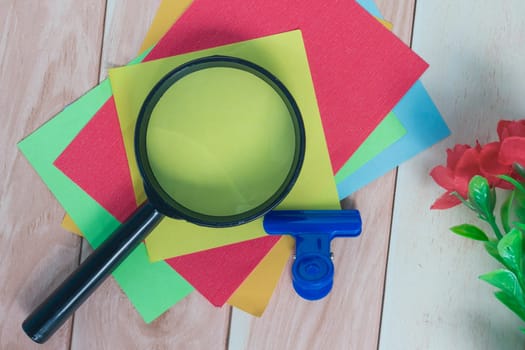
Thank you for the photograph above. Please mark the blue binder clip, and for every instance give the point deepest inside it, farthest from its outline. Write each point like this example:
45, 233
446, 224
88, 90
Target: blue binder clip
313, 230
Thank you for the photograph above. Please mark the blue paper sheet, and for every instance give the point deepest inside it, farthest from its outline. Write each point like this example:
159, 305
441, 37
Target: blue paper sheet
371, 7
424, 126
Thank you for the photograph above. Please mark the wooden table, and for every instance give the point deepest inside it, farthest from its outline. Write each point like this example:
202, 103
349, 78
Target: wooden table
52, 51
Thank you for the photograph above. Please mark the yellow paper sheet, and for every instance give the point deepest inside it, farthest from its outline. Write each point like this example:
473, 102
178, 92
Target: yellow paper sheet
255, 292
168, 13
284, 55
70, 225
128, 132
387, 24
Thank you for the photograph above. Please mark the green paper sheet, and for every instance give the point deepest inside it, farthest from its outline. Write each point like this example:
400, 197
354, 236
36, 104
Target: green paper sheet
385, 134
152, 288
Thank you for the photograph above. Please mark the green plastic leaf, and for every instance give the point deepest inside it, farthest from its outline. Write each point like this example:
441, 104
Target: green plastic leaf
506, 281
492, 199
492, 248
520, 226
519, 169
519, 206
516, 183
470, 231
505, 212
510, 248
481, 196
511, 302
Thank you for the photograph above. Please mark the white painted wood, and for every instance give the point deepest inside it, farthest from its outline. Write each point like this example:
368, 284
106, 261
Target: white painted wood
240, 324
433, 299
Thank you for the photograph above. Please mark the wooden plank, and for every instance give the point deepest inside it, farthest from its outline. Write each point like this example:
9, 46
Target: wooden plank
108, 320
49, 56
124, 31
349, 317
401, 14
434, 299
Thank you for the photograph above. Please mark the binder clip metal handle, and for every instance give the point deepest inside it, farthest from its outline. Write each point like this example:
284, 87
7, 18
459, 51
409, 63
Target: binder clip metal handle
313, 230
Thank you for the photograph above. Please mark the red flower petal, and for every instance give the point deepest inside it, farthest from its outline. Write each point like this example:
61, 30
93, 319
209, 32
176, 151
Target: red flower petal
508, 128
503, 129
478, 146
445, 201
512, 150
488, 159
468, 165
453, 155
443, 176
461, 186
490, 166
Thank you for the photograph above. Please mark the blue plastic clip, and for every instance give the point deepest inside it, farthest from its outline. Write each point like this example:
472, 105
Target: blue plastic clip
313, 230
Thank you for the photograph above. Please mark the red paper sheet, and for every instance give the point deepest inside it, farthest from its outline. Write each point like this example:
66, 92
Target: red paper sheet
217, 273
96, 161
360, 70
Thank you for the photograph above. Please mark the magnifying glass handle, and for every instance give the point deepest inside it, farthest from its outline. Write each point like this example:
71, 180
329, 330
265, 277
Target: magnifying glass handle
47, 318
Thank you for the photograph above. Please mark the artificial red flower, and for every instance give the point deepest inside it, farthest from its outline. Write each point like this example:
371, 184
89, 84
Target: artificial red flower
462, 165
512, 150
512, 136
491, 160
491, 167
497, 158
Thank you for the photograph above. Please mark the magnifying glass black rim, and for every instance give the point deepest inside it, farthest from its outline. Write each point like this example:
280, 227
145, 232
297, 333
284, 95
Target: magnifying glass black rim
159, 198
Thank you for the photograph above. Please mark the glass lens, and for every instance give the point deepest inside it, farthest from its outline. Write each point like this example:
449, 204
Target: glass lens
220, 141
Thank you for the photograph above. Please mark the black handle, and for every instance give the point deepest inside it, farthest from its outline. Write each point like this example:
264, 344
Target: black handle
47, 318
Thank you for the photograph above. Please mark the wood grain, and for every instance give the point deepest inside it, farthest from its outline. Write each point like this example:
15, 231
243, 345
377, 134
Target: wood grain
108, 320
49, 55
434, 299
124, 30
349, 317
401, 14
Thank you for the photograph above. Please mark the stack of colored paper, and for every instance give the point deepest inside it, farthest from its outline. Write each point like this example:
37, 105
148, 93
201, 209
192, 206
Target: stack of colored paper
364, 113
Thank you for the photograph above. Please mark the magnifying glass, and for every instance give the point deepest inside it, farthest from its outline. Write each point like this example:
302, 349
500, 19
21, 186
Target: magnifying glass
219, 141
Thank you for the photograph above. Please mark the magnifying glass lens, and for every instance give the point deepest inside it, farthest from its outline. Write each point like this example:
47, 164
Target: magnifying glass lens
220, 141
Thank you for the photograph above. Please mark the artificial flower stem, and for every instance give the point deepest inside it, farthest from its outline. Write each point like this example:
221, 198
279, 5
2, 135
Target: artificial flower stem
492, 223
465, 202
491, 220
